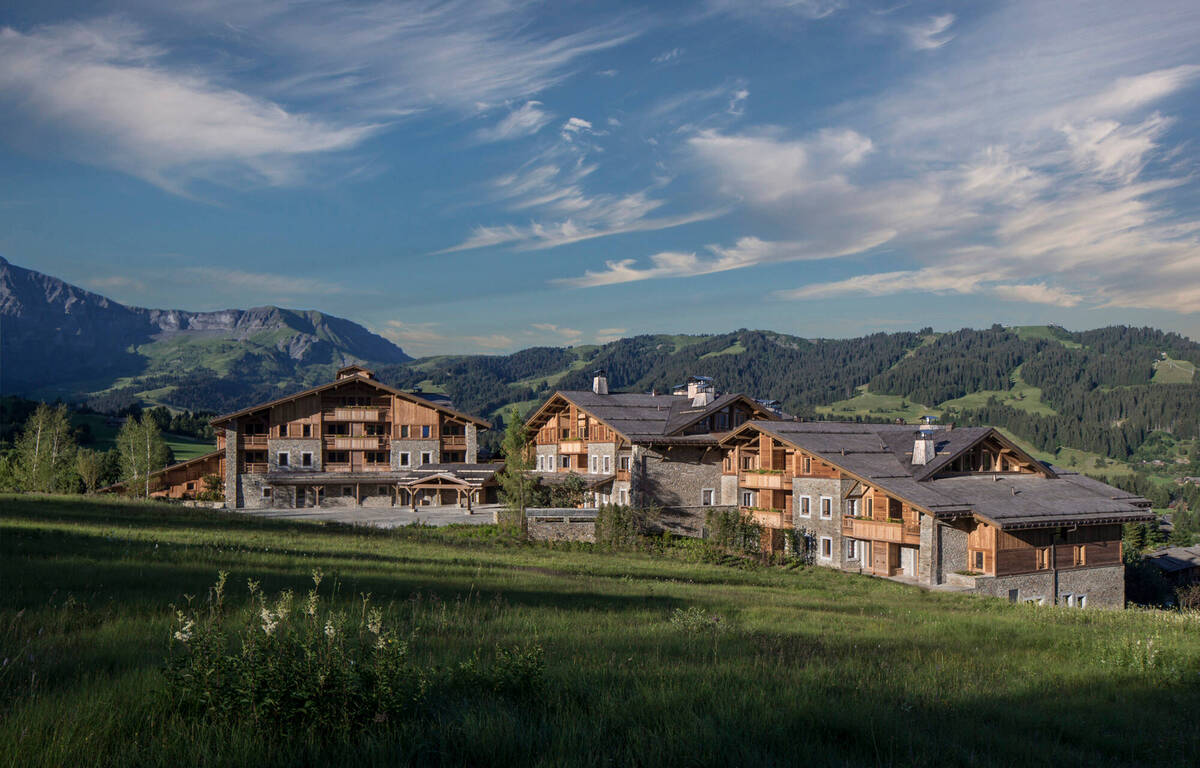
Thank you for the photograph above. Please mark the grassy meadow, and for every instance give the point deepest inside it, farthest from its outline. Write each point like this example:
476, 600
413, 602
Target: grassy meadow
655, 658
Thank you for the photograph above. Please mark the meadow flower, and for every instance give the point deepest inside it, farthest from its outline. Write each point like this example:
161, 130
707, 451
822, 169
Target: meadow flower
269, 621
185, 632
375, 621
329, 630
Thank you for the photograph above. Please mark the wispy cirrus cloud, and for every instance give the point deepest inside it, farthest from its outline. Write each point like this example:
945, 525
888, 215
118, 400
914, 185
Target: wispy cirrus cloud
930, 34
525, 120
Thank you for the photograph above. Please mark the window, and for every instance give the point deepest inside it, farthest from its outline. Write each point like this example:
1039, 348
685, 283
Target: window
807, 463
337, 429
747, 498
338, 457
805, 506
373, 430
191, 486
426, 457
1014, 595
306, 459
376, 457
1043, 558
283, 430
564, 461
405, 459
403, 431
851, 549
1080, 552
722, 420
1081, 601
564, 433
870, 507
282, 459
306, 430
425, 430
978, 564
595, 465
706, 497
852, 507
625, 463
826, 507
826, 549
266, 491
747, 462
623, 496
254, 428
347, 490
607, 464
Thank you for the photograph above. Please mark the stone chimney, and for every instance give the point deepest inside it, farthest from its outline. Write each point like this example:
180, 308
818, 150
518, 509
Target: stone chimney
600, 382
924, 448
700, 390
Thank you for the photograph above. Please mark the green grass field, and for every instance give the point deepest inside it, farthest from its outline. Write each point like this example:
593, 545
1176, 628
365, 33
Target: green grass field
1173, 372
104, 437
800, 666
867, 403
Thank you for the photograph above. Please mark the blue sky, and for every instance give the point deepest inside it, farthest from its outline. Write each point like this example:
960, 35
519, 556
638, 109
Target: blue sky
485, 176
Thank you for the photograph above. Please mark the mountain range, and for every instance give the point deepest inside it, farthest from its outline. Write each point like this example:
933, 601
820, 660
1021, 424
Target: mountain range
1107, 392
61, 340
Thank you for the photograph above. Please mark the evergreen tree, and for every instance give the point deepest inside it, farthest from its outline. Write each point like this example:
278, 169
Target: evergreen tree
46, 451
515, 479
143, 452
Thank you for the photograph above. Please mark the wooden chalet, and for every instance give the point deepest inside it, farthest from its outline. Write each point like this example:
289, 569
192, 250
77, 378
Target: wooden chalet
642, 449
351, 441
962, 506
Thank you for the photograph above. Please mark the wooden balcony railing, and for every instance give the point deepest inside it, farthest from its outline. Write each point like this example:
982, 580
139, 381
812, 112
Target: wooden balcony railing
769, 480
257, 468
771, 518
623, 474
339, 443
360, 413
572, 446
454, 441
254, 441
879, 530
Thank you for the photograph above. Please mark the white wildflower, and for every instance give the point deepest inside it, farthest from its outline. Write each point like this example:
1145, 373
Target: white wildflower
185, 632
329, 630
375, 621
269, 621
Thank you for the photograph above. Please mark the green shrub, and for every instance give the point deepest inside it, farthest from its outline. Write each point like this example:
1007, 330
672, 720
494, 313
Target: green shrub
317, 670
733, 530
622, 527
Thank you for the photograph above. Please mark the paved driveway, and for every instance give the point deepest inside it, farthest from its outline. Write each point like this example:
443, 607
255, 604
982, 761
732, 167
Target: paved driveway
385, 517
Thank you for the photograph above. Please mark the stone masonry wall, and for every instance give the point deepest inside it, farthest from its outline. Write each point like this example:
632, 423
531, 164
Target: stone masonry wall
472, 444
815, 488
1103, 586
233, 490
295, 448
414, 448
599, 451
547, 450
672, 481
951, 551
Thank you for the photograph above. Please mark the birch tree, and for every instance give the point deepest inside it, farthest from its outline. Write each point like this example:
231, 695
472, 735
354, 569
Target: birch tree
46, 451
143, 452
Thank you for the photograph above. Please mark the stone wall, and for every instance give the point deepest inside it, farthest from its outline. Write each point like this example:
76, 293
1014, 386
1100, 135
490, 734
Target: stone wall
547, 450
951, 552
815, 488
233, 489
729, 490
472, 444
414, 448
600, 451
1103, 586
295, 447
674, 477
561, 525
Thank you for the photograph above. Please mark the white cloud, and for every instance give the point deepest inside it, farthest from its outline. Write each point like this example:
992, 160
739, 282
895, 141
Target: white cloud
570, 335
737, 102
116, 282
931, 34
577, 126
107, 97
262, 283
667, 56
772, 10
526, 120
605, 335
962, 280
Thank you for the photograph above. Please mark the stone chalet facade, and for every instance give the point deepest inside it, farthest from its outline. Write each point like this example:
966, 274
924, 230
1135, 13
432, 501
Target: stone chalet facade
935, 505
644, 449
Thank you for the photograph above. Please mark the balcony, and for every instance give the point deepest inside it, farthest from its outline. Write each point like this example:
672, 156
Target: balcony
878, 530
338, 443
256, 468
623, 475
254, 441
572, 446
769, 518
454, 441
356, 414
766, 480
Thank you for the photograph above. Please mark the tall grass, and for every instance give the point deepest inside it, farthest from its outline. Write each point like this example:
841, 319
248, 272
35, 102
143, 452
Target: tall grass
649, 659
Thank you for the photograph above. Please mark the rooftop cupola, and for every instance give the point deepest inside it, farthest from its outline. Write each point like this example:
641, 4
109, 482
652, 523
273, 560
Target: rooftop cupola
350, 371
600, 382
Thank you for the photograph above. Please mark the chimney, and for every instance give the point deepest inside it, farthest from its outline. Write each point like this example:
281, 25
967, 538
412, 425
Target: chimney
923, 448
700, 390
600, 382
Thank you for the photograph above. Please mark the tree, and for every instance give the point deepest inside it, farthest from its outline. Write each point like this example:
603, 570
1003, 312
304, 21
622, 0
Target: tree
143, 452
571, 493
515, 479
89, 465
46, 450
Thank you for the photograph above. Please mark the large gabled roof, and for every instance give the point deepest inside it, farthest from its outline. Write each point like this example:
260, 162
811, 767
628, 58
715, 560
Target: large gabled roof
643, 418
354, 375
881, 455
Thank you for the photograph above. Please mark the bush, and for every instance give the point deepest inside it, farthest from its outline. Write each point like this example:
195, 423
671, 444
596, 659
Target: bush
732, 530
315, 669
622, 527
1188, 597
